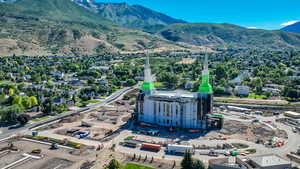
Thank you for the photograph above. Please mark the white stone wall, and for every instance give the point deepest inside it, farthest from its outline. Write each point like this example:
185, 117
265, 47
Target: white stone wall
166, 115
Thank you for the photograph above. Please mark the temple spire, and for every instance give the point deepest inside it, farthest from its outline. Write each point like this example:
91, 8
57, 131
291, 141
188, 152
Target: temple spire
147, 71
148, 83
205, 86
205, 66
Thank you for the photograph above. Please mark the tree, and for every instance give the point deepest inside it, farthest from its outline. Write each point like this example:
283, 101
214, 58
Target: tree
169, 79
23, 119
17, 100
197, 164
219, 90
91, 81
257, 84
11, 92
47, 106
187, 162
114, 164
11, 113
33, 101
26, 102
221, 72
131, 82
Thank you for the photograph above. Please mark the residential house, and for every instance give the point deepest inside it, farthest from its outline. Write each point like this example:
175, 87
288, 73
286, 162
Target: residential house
242, 90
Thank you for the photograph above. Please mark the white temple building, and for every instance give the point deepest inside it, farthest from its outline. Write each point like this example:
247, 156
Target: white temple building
191, 110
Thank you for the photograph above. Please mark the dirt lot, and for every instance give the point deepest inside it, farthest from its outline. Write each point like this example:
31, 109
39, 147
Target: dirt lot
247, 131
61, 158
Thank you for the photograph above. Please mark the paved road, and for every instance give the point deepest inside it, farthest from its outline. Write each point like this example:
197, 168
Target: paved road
6, 132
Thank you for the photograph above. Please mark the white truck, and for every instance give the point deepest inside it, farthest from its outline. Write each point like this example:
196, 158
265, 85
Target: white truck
179, 149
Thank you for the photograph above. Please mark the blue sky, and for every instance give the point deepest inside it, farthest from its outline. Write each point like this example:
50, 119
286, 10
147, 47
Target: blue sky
264, 14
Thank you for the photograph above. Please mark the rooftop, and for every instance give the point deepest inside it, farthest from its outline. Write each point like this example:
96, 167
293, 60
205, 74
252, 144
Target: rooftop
268, 160
173, 94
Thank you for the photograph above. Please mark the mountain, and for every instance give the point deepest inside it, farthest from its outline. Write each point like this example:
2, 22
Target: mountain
61, 27
212, 34
132, 16
292, 28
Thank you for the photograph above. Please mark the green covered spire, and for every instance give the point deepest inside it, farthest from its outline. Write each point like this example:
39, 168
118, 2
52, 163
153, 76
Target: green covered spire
147, 84
205, 86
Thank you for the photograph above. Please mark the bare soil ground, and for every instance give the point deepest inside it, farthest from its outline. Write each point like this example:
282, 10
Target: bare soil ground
102, 122
61, 158
248, 131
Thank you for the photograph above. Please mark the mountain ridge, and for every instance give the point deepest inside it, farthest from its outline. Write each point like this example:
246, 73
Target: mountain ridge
132, 16
295, 28
215, 34
61, 27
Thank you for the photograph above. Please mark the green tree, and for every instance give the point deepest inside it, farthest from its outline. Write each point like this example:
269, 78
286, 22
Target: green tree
197, 164
26, 102
114, 164
11, 113
170, 80
34, 101
221, 72
257, 84
187, 162
219, 90
47, 106
2, 99
11, 92
131, 82
17, 100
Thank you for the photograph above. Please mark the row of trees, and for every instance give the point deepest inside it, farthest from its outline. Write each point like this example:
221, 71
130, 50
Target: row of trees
187, 163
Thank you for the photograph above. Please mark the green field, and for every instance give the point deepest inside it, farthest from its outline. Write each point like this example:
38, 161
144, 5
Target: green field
135, 166
40, 119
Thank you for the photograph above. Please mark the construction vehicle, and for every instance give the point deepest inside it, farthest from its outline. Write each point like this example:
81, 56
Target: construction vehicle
179, 149
54, 146
212, 153
129, 143
85, 124
150, 147
36, 151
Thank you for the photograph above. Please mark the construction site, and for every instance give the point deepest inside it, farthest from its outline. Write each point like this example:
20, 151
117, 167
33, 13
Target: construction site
23, 153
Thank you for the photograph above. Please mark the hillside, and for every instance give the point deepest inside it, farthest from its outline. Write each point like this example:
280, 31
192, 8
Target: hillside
292, 28
132, 16
61, 27
230, 35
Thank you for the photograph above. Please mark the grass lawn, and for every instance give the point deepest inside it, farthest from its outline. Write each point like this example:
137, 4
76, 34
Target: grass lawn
92, 101
85, 103
240, 145
135, 166
159, 85
40, 119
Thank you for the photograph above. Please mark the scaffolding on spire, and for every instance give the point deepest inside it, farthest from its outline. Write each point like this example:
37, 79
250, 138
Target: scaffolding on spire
147, 84
205, 86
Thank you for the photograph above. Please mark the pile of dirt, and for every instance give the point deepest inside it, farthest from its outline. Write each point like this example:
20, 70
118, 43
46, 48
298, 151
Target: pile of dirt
231, 127
250, 131
113, 114
51, 126
125, 119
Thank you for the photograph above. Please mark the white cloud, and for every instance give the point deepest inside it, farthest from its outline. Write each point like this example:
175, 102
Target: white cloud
289, 23
252, 27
